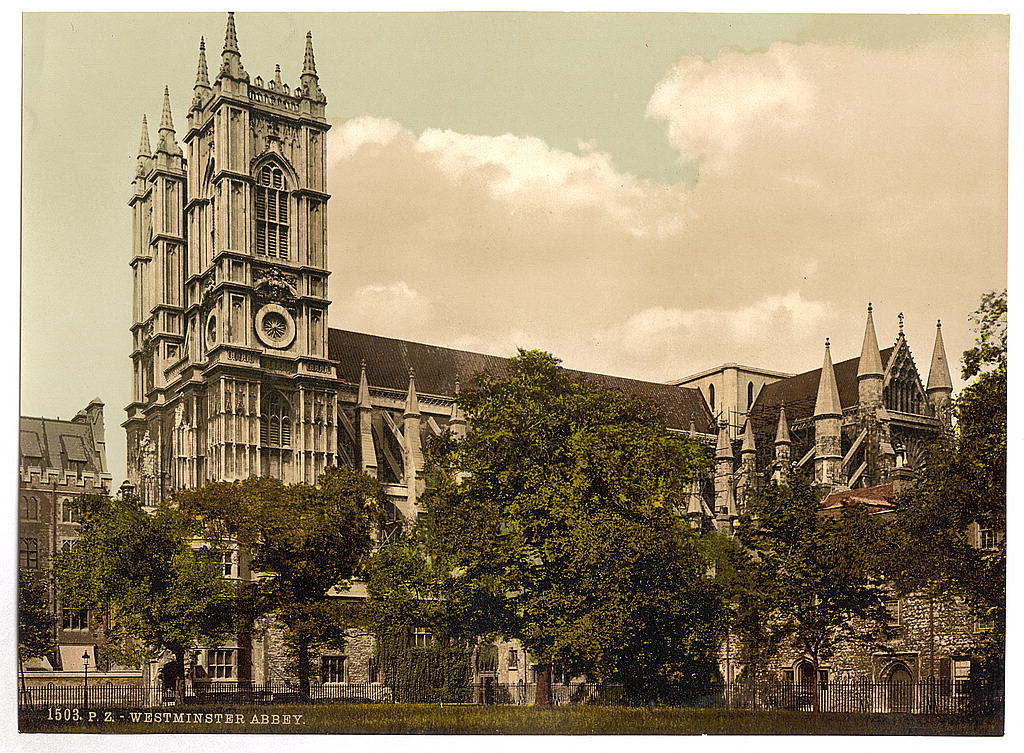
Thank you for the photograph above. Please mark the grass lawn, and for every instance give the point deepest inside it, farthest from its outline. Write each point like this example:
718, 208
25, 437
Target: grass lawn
491, 720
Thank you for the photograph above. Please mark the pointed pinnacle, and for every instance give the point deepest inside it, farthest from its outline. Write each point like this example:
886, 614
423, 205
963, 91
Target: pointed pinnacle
202, 73
166, 124
277, 75
870, 359
308, 63
938, 374
144, 148
748, 440
364, 388
782, 435
412, 401
827, 403
230, 36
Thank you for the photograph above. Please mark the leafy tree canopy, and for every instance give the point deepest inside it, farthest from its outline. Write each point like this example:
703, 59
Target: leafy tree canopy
816, 572
557, 521
303, 540
162, 593
962, 488
35, 621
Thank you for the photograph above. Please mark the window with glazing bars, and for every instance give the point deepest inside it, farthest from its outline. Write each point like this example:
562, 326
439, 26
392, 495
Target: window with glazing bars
28, 554
333, 669
220, 664
272, 213
29, 508
276, 423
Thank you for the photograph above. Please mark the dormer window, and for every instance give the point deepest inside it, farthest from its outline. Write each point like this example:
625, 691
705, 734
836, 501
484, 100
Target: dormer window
271, 212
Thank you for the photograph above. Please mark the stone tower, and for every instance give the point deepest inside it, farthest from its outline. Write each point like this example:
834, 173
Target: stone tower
231, 376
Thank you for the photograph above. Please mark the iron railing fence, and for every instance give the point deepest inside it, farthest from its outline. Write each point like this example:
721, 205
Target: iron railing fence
858, 696
854, 696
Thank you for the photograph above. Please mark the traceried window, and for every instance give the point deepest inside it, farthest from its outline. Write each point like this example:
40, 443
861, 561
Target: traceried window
220, 664
28, 554
332, 669
986, 538
272, 212
28, 508
276, 422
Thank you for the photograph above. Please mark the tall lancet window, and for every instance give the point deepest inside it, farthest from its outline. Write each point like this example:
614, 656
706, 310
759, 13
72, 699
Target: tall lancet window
276, 422
272, 212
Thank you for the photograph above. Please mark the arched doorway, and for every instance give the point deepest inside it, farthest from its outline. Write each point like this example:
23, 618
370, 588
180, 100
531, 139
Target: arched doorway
901, 688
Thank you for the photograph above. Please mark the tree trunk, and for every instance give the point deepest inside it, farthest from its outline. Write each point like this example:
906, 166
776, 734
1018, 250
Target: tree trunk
303, 667
815, 700
542, 696
179, 677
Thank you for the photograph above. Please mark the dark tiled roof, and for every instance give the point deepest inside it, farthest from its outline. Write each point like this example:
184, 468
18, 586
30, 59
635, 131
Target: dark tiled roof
799, 393
44, 439
388, 361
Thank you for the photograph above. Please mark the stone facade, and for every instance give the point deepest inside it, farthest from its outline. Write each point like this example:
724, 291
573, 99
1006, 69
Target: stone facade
59, 461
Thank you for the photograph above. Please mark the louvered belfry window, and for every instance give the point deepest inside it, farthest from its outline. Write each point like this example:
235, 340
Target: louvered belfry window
276, 423
272, 213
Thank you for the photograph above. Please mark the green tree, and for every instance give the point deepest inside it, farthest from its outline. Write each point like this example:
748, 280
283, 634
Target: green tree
161, 592
36, 623
557, 522
749, 602
817, 573
304, 541
961, 488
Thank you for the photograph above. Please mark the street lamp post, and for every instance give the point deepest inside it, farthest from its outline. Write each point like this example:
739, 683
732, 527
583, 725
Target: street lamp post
85, 658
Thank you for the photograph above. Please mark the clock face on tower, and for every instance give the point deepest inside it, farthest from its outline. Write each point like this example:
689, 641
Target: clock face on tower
275, 326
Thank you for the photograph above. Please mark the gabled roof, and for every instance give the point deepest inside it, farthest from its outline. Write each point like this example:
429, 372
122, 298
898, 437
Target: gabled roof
43, 442
388, 361
800, 392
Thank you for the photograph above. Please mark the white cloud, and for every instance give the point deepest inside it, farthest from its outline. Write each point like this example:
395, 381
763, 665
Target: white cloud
835, 173
393, 309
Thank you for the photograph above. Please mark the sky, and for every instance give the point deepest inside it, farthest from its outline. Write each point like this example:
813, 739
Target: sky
647, 195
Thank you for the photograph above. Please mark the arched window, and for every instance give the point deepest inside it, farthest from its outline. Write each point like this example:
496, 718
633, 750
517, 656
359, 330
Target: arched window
711, 395
271, 212
750, 394
29, 508
276, 422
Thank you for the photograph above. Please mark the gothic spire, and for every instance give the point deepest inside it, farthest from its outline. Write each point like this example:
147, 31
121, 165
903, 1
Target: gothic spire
782, 435
870, 359
827, 403
230, 36
165, 139
412, 401
938, 374
231, 57
202, 73
308, 63
145, 152
309, 83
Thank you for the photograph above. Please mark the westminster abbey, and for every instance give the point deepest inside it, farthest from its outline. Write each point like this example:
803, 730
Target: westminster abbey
236, 373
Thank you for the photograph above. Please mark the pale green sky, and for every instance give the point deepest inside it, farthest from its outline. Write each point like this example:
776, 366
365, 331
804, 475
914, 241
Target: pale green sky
560, 78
